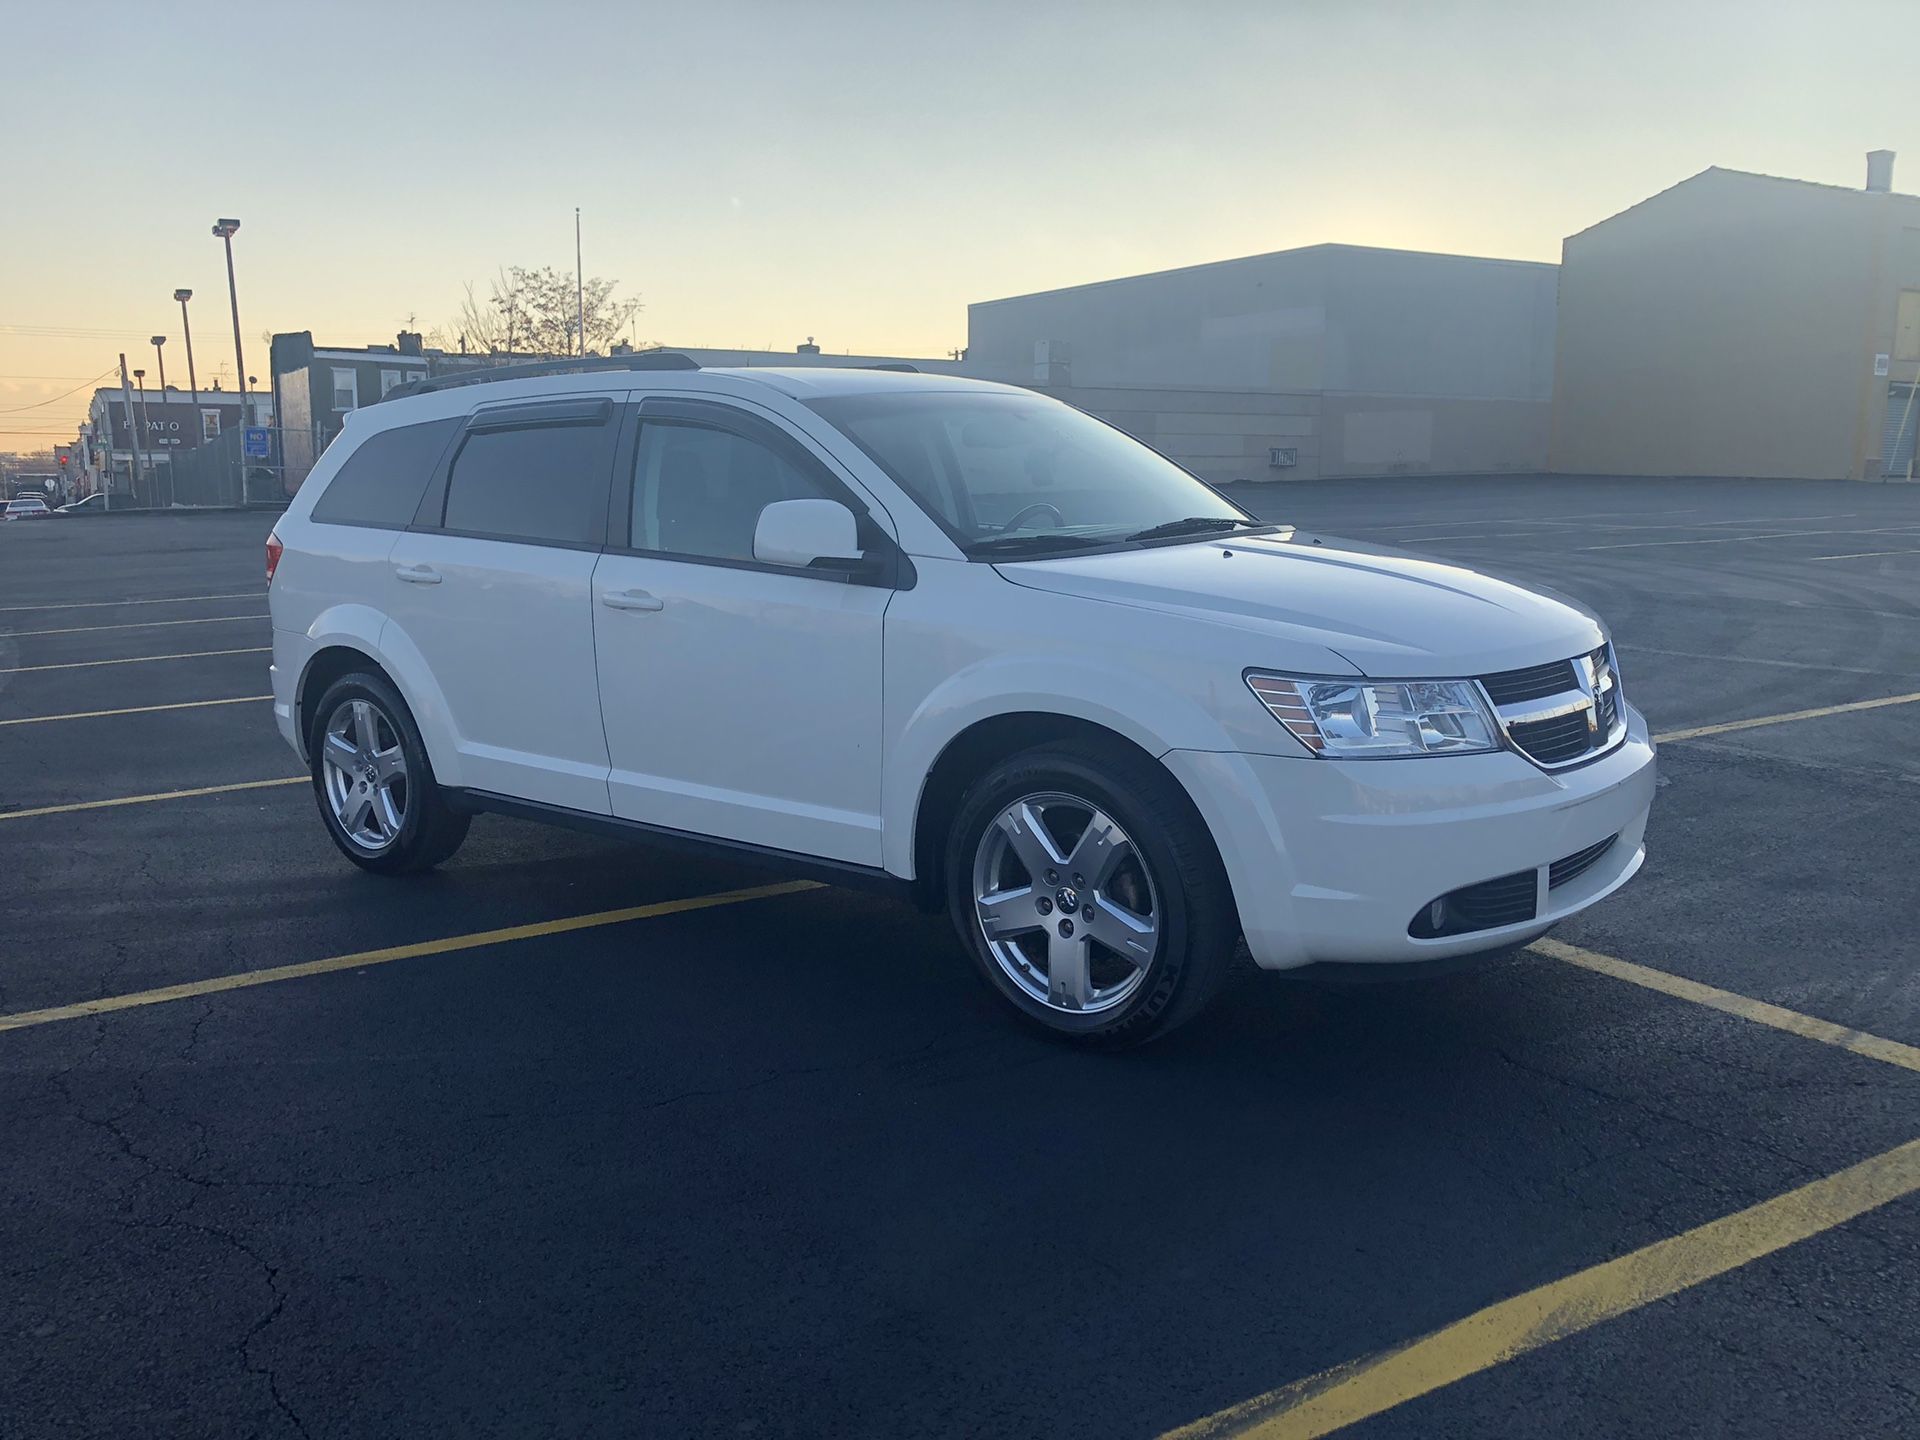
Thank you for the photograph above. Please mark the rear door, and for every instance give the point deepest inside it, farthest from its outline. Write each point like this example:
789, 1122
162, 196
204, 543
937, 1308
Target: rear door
493, 586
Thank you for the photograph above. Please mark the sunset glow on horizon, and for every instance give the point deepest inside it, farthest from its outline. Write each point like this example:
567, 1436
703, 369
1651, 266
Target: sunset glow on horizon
857, 173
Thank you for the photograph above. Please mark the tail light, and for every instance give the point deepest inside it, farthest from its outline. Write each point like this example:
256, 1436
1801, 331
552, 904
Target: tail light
274, 547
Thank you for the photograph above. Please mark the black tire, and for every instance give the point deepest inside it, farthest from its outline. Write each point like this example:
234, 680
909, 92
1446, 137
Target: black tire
430, 829
1197, 924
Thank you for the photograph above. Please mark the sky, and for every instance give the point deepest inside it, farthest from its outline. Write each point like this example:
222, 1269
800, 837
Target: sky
761, 171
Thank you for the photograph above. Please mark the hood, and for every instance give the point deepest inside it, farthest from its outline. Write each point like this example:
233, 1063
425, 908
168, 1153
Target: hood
1387, 613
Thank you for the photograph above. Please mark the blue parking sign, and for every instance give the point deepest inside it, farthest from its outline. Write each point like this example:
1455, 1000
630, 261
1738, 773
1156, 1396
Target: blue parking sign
256, 442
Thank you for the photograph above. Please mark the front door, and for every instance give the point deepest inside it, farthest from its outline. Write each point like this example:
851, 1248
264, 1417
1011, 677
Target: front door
741, 700
493, 588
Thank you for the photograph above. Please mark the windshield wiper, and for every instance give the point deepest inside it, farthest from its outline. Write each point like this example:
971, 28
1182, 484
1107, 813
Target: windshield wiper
1192, 525
1016, 544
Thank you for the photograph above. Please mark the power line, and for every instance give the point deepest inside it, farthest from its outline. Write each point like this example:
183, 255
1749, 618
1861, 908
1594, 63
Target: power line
42, 404
67, 331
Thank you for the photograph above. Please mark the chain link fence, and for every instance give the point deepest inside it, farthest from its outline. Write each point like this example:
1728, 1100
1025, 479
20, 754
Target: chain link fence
220, 472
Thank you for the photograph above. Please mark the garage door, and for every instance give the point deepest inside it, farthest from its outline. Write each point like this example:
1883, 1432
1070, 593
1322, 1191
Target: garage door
1903, 419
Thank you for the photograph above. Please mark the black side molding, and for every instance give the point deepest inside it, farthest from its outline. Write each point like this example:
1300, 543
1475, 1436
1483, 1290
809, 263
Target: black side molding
831, 872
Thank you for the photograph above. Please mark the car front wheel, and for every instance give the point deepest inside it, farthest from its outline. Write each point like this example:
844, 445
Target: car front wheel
1088, 892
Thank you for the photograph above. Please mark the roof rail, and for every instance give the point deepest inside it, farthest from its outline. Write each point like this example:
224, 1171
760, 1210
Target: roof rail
892, 365
572, 365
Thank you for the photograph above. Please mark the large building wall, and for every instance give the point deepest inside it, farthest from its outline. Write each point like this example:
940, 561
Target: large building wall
1728, 326
1220, 435
1378, 361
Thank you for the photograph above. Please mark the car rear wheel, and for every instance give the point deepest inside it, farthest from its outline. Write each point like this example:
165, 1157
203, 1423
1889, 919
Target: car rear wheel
374, 783
1088, 892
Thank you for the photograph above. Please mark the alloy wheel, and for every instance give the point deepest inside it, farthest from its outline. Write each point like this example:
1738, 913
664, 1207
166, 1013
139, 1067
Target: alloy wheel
364, 767
1065, 903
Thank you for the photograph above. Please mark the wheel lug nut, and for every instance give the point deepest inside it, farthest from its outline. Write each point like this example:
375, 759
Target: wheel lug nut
1087, 909
1066, 929
1079, 881
1046, 905
1053, 877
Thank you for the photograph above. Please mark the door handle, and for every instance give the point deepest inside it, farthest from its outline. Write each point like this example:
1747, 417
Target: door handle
631, 600
418, 574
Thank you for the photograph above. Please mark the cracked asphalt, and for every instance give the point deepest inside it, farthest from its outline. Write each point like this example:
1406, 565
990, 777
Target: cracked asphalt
781, 1168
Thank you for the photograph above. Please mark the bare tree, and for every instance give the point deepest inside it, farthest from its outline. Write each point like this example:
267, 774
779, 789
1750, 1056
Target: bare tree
484, 326
534, 312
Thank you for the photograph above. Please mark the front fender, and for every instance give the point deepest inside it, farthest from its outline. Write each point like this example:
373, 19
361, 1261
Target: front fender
1151, 715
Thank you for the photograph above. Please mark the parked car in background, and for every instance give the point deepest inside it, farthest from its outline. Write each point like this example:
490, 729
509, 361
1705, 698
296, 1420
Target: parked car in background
97, 503
952, 637
26, 507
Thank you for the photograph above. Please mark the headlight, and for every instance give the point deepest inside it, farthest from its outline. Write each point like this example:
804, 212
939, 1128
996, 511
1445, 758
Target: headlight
1379, 719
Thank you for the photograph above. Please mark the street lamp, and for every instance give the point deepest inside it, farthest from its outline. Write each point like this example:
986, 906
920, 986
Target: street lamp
158, 355
225, 229
146, 421
186, 331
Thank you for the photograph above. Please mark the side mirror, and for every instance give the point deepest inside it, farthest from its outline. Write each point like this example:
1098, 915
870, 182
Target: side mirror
808, 532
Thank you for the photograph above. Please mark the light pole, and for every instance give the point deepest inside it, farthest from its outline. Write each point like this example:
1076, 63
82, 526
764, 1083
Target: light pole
160, 358
146, 422
186, 333
224, 229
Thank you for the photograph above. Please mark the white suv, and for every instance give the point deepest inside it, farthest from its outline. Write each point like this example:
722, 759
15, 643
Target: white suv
951, 637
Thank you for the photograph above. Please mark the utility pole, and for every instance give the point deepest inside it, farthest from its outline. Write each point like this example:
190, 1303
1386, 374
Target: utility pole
133, 428
579, 282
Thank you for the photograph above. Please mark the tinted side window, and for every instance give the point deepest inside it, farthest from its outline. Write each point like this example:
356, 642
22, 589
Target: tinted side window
381, 483
700, 491
543, 482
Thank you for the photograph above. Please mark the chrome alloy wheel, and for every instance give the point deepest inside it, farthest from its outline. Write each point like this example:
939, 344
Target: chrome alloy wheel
1065, 903
365, 770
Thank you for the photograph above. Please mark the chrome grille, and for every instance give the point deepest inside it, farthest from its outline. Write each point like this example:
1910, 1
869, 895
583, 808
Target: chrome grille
1560, 713
1510, 687
1556, 741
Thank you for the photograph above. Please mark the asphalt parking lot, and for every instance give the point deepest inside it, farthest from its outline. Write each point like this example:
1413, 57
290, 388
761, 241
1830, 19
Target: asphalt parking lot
776, 1165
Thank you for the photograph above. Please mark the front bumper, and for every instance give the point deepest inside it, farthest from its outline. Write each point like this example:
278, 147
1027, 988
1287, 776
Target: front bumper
1330, 861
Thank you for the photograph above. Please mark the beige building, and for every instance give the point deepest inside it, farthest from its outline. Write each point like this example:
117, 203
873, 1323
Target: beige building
1334, 360
1742, 324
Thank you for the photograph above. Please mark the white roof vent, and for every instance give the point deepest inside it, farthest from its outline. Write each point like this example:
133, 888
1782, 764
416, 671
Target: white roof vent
1880, 170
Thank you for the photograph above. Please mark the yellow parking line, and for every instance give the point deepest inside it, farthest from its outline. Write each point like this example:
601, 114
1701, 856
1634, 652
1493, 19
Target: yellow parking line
1874, 1047
136, 660
246, 979
1351, 1393
1759, 720
134, 710
132, 625
149, 799
111, 604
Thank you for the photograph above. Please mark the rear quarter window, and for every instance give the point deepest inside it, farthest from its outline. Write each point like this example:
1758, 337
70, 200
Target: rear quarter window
381, 482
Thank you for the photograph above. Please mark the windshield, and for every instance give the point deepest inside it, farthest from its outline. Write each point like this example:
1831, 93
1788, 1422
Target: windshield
1011, 473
